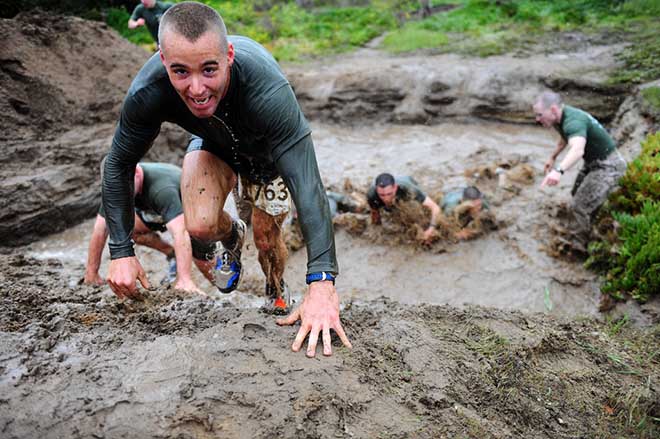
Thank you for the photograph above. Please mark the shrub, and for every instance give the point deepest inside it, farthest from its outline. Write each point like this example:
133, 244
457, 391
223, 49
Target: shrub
630, 259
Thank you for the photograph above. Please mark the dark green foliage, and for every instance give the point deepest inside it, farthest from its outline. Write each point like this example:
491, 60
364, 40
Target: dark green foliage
630, 259
641, 183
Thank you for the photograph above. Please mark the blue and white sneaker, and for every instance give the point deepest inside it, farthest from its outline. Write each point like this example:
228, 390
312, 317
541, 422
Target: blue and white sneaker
228, 266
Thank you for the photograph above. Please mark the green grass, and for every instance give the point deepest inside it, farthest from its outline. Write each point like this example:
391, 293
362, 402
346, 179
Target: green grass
652, 96
486, 27
413, 38
288, 31
474, 27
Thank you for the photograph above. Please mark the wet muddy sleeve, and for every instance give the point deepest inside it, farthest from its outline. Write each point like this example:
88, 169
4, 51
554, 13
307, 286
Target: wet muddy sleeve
298, 167
133, 137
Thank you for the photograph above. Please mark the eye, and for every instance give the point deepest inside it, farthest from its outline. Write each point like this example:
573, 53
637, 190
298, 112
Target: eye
210, 71
179, 71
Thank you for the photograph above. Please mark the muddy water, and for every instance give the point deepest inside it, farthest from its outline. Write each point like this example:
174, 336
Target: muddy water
506, 269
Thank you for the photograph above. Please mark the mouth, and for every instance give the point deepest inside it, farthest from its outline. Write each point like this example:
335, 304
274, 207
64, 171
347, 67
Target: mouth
202, 101
202, 105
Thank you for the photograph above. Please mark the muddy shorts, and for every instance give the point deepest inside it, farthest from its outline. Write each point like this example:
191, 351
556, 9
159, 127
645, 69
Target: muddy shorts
595, 181
273, 198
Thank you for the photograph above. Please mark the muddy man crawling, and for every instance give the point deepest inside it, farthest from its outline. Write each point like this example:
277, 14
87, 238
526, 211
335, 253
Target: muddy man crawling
232, 96
387, 190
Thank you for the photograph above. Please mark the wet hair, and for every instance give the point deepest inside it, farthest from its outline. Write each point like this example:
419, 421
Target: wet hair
472, 193
384, 180
548, 99
192, 20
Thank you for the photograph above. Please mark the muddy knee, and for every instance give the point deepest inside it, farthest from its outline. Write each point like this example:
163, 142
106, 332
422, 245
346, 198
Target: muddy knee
204, 231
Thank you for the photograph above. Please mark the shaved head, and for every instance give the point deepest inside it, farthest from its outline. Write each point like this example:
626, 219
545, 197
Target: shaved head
192, 20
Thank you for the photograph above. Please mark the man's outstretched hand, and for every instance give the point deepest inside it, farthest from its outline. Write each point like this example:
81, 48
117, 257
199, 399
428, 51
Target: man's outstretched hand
318, 312
122, 275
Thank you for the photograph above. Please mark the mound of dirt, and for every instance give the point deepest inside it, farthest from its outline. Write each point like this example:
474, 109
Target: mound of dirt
56, 72
76, 362
62, 81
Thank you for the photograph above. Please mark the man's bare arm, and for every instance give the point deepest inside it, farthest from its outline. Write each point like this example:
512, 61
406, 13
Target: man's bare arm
96, 244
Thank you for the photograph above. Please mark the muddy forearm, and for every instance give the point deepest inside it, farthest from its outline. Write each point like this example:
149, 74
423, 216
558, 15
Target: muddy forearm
299, 169
96, 244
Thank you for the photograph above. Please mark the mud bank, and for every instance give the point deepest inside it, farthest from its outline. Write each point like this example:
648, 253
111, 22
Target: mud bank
62, 81
371, 86
77, 363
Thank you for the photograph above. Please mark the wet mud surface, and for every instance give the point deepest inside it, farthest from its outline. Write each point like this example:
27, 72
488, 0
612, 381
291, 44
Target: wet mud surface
491, 337
76, 362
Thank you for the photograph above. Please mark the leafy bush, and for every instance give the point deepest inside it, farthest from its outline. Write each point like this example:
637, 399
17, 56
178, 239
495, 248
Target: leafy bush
641, 183
631, 258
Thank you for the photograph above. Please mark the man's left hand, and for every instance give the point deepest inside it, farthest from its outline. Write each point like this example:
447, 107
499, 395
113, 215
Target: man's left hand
552, 179
319, 312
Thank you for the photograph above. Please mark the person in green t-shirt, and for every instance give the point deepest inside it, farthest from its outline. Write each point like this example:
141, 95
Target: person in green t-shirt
587, 140
387, 190
148, 13
157, 188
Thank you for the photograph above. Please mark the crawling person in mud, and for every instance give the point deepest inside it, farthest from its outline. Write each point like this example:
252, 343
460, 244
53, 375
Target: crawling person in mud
232, 96
157, 189
465, 206
588, 140
387, 190
148, 13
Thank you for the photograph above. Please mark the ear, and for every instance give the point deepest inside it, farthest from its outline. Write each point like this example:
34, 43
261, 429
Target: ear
160, 52
230, 53
555, 110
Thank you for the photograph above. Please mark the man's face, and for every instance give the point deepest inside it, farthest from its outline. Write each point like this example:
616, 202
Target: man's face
387, 194
149, 3
198, 71
476, 206
548, 117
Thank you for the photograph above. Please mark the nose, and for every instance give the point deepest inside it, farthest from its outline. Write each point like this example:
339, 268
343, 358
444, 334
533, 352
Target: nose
196, 86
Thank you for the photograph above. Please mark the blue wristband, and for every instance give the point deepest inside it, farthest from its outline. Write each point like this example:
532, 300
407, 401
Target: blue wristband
320, 276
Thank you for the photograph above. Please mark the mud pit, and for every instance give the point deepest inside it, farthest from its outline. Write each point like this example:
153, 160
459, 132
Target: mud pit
76, 362
506, 269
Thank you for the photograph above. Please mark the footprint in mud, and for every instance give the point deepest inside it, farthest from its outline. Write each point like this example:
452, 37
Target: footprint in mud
253, 331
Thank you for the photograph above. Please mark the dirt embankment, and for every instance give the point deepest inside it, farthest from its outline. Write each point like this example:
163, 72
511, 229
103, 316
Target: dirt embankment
62, 81
75, 362
375, 87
